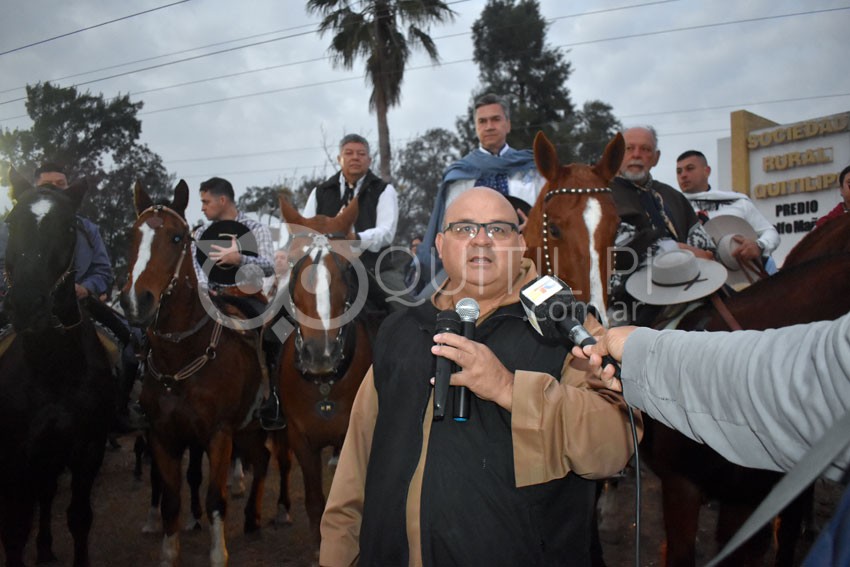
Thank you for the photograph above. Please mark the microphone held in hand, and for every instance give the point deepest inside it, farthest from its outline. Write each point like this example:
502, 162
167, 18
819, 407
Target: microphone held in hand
447, 322
468, 310
554, 312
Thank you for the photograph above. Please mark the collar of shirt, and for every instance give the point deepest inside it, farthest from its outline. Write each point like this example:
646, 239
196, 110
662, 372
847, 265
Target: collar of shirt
504, 149
343, 184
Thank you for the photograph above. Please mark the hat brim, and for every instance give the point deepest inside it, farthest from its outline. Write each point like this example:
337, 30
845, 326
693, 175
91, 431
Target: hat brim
721, 225
736, 278
712, 277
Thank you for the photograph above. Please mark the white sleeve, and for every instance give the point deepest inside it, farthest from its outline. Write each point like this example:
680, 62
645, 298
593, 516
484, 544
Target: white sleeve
309, 210
374, 239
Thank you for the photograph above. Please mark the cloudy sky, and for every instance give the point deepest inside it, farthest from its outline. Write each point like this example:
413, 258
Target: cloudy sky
244, 90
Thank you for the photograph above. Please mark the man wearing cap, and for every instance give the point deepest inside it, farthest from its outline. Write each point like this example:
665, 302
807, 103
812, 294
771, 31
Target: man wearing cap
493, 164
218, 204
692, 171
653, 217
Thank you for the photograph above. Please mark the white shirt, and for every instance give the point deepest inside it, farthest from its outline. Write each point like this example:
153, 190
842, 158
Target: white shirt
371, 239
742, 207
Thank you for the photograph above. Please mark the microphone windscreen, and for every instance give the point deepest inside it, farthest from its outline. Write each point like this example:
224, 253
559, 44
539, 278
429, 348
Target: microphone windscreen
468, 309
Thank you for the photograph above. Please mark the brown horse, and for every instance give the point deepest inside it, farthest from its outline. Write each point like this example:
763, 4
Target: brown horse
574, 221
56, 384
326, 357
832, 237
202, 377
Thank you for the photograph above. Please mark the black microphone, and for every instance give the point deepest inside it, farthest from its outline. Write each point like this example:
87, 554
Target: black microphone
447, 322
468, 310
554, 311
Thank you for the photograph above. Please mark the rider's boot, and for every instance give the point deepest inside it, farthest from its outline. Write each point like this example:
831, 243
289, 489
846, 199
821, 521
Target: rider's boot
270, 412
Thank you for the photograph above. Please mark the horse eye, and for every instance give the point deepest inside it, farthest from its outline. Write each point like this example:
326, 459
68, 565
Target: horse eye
176, 238
554, 230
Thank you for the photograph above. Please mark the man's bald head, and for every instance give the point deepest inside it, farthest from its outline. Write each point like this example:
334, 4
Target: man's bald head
478, 197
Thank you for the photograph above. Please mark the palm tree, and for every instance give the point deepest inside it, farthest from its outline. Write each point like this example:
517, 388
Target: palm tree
373, 32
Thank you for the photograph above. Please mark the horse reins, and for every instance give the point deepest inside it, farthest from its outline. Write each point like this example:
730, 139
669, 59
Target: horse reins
210, 352
555, 193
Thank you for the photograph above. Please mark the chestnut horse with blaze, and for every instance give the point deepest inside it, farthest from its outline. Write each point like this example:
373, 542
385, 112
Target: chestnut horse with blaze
326, 357
574, 221
202, 375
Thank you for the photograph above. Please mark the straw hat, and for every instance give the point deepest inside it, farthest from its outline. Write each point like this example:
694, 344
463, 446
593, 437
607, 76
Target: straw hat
676, 276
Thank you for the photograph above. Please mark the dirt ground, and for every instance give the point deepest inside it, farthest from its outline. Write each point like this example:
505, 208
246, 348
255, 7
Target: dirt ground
121, 506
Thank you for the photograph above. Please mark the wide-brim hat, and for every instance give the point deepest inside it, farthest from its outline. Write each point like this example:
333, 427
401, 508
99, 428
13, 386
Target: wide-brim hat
736, 277
676, 276
723, 229
220, 233
721, 225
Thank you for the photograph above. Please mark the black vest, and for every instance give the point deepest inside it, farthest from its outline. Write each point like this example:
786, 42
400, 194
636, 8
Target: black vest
329, 201
471, 511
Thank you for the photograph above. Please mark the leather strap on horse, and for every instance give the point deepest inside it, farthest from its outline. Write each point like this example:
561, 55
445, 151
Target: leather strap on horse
192, 367
554, 193
724, 313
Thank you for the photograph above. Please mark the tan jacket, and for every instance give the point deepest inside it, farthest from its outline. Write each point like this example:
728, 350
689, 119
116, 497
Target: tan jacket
598, 444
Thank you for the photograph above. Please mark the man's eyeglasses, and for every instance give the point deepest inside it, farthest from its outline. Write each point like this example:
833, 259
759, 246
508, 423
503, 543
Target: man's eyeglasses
496, 230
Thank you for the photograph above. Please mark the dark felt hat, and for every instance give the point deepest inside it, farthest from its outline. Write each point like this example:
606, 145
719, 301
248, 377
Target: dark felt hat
220, 233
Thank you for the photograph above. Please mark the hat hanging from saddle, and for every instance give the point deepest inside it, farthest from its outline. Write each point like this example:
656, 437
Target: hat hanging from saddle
676, 276
220, 233
723, 229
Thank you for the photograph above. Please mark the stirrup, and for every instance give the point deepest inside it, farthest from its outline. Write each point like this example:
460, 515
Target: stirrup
270, 415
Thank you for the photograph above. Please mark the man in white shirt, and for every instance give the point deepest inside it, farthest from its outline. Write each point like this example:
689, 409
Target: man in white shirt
377, 219
692, 171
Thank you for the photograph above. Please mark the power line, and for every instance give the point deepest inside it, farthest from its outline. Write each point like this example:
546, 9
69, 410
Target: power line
91, 27
593, 12
574, 44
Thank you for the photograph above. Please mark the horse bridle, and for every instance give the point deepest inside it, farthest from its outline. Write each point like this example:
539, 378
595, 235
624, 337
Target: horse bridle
321, 243
210, 352
546, 199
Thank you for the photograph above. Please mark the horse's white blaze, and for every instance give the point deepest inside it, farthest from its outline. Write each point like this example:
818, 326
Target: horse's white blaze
40, 208
142, 259
592, 216
218, 549
323, 295
170, 550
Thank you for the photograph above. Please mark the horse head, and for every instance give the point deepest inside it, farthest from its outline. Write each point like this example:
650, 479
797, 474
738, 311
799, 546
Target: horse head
574, 220
831, 238
322, 287
159, 247
40, 253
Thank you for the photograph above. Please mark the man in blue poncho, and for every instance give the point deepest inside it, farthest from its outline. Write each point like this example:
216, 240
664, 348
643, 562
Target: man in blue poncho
493, 164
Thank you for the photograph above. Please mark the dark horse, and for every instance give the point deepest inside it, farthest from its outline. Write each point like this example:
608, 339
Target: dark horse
202, 376
56, 385
326, 357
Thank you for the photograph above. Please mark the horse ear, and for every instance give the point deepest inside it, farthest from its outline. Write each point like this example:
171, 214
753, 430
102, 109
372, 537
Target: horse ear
181, 198
612, 158
141, 199
76, 191
546, 157
348, 216
289, 213
19, 183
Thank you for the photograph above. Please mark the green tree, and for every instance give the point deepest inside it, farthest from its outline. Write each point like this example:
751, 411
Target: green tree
597, 125
515, 62
262, 200
374, 33
418, 172
93, 138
